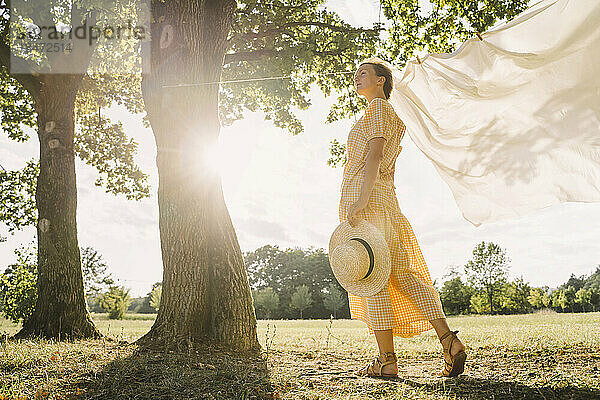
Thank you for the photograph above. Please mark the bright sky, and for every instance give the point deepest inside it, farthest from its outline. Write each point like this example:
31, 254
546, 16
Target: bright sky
280, 191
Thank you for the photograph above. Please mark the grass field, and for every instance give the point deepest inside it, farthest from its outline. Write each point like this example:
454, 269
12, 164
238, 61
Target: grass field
533, 356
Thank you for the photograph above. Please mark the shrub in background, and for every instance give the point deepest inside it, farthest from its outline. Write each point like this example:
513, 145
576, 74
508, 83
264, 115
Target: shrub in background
18, 292
116, 301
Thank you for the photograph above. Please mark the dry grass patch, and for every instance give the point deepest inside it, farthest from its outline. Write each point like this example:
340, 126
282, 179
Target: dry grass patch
534, 356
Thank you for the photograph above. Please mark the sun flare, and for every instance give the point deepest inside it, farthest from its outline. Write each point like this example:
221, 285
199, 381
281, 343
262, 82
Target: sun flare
213, 158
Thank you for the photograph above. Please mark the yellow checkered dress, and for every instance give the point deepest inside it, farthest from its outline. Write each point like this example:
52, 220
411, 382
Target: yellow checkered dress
409, 301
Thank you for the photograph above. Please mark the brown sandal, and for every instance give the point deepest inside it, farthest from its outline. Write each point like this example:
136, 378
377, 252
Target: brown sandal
374, 369
458, 361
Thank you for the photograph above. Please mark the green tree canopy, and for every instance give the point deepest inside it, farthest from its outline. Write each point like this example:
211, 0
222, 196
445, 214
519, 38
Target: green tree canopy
488, 270
575, 282
583, 297
96, 278
334, 298
266, 301
19, 281
285, 270
18, 292
538, 298
116, 301
17, 196
593, 281
456, 296
564, 299
99, 142
514, 297
479, 303
155, 296
301, 299
442, 26
594, 298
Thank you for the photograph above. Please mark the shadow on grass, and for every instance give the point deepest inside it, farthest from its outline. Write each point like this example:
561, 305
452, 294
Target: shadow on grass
471, 388
196, 374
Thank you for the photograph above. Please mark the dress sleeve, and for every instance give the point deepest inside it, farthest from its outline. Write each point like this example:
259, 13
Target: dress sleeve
378, 121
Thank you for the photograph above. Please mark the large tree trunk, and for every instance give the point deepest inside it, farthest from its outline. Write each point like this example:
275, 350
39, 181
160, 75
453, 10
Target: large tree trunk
205, 296
60, 310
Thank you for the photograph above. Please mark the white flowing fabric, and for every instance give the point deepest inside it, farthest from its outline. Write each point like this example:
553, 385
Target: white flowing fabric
512, 122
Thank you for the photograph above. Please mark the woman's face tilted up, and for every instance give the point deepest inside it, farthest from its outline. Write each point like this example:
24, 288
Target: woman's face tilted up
366, 81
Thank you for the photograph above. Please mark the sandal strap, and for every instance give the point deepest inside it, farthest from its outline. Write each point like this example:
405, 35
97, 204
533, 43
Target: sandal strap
390, 358
371, 368
452, 339
377, 362
449, 366
447, 334
376, 367
447, 369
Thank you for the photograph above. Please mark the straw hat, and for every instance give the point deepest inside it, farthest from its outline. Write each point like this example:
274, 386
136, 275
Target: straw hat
360, 258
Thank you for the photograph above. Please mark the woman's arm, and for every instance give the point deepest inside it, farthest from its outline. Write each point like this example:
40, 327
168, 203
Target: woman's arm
372, 162
371, 168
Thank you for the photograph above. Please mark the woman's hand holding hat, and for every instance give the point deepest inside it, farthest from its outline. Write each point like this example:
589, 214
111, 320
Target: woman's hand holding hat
354, 210
360, 258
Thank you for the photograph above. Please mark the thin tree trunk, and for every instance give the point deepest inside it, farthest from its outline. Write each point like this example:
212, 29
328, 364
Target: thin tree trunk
206, 295
60, 310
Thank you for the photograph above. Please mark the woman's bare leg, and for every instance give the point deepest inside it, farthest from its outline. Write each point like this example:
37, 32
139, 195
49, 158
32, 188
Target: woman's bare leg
385, 342
441, 326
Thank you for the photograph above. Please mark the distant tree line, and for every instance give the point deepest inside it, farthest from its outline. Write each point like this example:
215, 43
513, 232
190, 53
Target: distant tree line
298, 283
519, 297
485, 289
18, 291
294, 283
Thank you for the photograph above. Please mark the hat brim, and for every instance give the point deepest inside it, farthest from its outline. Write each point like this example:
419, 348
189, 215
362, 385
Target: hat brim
380, 275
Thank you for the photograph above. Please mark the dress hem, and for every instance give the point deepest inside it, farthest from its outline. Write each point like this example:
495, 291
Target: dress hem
404, 335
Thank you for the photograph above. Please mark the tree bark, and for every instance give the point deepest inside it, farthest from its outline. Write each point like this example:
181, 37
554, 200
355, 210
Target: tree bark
60, 310
205, 296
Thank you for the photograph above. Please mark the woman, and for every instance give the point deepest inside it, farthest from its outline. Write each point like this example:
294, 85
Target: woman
409, 304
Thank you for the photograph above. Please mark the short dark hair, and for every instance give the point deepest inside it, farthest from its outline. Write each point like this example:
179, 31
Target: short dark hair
382, 70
